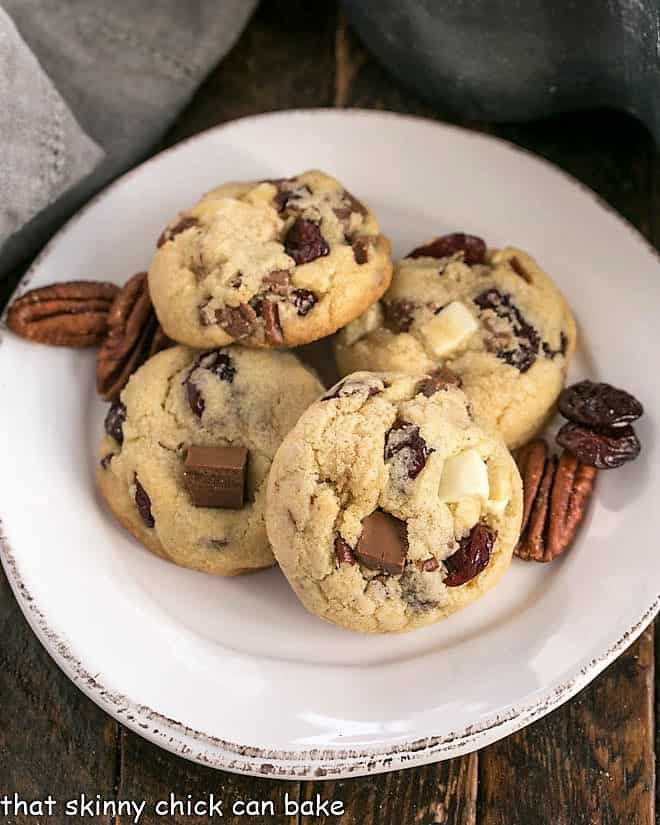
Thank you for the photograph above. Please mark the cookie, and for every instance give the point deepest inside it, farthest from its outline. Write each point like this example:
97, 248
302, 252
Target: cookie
492, 316
268, 264
389, 507
159, 458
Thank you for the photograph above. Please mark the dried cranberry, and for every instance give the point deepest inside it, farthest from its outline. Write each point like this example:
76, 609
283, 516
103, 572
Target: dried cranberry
195, 400
399, 315
473, 248
527, 338
599, 405
304, 242
239, 322
343, 552
143, 503
404, 443
472, 556
216, 362
604, 450
303, 300
170, 232
219, 363
114, 421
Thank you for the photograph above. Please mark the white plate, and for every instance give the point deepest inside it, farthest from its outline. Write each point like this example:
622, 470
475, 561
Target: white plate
234, 673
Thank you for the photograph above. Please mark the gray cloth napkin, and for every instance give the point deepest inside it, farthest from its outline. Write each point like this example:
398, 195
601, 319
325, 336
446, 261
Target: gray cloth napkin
86, 88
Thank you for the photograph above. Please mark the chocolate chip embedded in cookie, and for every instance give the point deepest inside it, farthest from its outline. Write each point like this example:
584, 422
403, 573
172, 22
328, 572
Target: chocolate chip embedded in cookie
215, 476
383, 543
389, 508
269, 264
174, 465
492, 317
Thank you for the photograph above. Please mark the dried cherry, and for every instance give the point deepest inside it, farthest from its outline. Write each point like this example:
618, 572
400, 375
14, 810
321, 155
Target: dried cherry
304, 242
599, 405
473, 248
114, 421
604, 449
472, 556
404, 443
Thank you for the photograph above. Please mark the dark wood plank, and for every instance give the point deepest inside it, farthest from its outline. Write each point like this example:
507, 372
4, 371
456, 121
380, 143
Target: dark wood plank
590, 762
149, 773
440, 794
284, 60
53, 740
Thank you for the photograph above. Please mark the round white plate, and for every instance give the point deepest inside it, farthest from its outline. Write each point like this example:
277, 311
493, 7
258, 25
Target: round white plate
234, 673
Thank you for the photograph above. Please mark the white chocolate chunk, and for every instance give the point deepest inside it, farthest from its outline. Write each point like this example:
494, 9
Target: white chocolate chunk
427, 482
500, 490
464, 475
449, 328
366, 323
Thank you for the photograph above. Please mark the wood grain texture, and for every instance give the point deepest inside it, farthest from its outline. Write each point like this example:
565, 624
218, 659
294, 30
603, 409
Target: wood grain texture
590, 762
52, 738
440, 794
284, 60
147, 772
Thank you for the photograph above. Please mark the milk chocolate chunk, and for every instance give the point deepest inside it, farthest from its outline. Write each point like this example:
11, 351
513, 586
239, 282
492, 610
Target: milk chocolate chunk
438, 379
215, 476
383, 543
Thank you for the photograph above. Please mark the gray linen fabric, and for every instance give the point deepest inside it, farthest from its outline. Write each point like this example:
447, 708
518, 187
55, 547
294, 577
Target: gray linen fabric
86, 88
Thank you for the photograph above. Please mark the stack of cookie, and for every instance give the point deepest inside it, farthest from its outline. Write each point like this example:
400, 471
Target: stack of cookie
392, 500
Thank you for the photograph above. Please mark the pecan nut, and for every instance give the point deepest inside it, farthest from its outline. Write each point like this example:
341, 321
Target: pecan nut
134, 335
70, 314
531, 461
556, 493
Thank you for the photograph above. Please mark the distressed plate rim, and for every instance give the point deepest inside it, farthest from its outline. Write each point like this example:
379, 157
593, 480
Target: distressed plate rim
327, 763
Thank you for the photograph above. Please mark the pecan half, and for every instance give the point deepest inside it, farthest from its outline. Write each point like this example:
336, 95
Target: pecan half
531, 462
556, 495
70, 314
574, 484
134, 335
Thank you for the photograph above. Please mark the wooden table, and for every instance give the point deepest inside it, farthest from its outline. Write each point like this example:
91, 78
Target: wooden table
590, 761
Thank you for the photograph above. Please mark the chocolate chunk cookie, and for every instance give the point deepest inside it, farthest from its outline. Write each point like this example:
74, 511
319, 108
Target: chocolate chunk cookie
188, 447
389, 507
492, 316
268, 264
